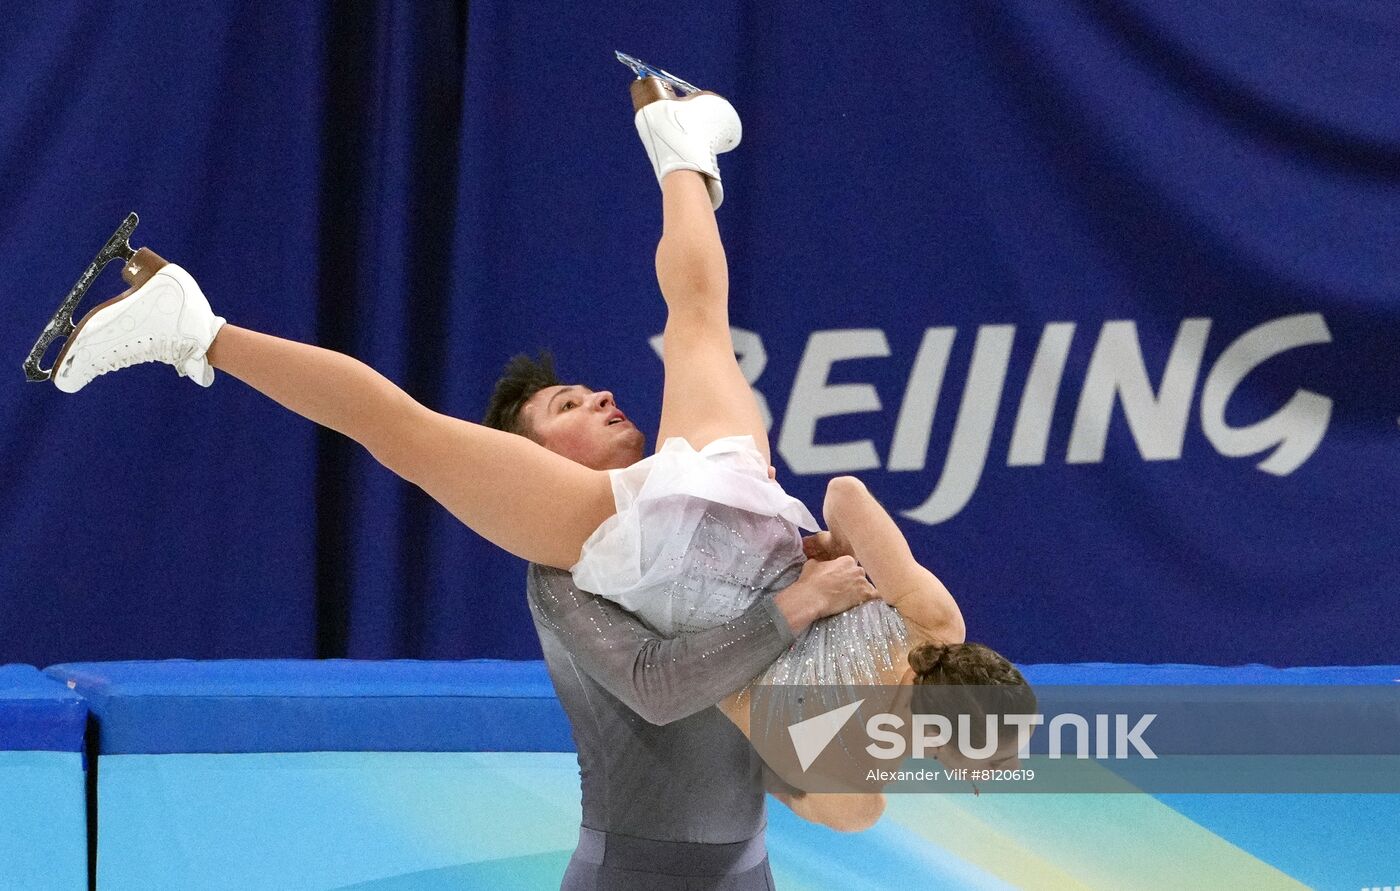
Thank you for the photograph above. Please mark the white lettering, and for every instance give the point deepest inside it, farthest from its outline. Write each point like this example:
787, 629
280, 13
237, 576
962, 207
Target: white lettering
989, 743
1297, 428
1133, 737
1032, 433
875, 729
972, 433
1025, 725
1081, 736
922, 741
812, 398
909, 450
1116, 372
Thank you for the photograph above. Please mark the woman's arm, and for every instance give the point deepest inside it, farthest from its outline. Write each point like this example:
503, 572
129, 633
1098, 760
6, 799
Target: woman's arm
842, 811
861, 528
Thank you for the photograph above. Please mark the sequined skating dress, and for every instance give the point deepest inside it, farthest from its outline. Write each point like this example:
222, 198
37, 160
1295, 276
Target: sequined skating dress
698, 537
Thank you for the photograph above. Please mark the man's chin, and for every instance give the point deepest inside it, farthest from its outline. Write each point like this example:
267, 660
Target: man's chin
636, 446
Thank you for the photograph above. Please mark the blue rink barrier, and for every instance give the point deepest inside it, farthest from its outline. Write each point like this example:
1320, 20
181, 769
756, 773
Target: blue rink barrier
43, 813
429, 775
329, 774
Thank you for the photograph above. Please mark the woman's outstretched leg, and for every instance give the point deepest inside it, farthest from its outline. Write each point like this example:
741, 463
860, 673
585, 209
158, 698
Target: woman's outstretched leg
706, 396
515, 493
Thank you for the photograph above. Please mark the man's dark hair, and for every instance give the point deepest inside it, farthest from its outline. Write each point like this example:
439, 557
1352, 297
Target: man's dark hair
522, 378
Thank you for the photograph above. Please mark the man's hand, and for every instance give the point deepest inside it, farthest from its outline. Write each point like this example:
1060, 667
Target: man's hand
837, 584
825, 588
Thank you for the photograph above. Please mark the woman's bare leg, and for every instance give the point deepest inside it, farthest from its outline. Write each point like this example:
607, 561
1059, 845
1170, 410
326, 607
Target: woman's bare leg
706, 396
513, 492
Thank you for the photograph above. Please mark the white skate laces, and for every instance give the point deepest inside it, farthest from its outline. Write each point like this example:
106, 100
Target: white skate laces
682, 134
166, 320
170, 349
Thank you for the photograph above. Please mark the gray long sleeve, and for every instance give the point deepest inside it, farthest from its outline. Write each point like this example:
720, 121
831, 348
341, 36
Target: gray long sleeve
662, 680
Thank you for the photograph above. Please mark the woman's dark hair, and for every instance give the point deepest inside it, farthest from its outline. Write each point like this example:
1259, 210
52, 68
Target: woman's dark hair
975, 680
962, 663
522, 378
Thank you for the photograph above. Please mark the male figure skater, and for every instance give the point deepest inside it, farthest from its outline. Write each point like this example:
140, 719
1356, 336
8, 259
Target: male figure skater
673, 794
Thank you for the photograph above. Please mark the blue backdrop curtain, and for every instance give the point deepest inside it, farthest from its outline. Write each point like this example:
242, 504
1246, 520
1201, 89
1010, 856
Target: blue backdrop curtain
1099, 298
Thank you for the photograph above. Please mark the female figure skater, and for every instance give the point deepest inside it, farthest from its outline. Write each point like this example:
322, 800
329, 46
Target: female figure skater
687, 538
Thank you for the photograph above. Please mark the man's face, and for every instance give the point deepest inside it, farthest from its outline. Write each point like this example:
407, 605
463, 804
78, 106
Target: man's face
584, 426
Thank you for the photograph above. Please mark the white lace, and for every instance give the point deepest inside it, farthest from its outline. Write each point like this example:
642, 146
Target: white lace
166, 348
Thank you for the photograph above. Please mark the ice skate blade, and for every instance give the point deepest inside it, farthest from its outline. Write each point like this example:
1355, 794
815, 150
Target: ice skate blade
138, 267
643, 70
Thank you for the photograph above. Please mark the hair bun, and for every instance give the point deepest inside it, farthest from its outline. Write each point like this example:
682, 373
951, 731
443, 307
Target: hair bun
927, 657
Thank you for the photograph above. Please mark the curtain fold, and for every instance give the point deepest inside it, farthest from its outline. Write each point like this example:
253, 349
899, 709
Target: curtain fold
1046, 276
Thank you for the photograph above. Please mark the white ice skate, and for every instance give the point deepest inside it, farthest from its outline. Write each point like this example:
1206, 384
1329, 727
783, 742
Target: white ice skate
685, 132
162, 317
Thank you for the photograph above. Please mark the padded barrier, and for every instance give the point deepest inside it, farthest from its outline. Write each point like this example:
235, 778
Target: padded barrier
420, 775
334, 705
416, 706
1240, 710
1126, 674
43, 809
38, 713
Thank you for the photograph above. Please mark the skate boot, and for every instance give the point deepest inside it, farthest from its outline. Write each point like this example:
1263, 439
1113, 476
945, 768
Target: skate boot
162, 317
682, 127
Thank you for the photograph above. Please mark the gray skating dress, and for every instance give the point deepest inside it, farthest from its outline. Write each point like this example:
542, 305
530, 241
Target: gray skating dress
699, 536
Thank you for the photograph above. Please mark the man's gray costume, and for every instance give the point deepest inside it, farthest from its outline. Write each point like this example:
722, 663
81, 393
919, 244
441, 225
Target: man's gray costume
673, 795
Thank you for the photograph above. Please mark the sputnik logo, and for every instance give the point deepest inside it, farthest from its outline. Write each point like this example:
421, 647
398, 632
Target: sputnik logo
812, 736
